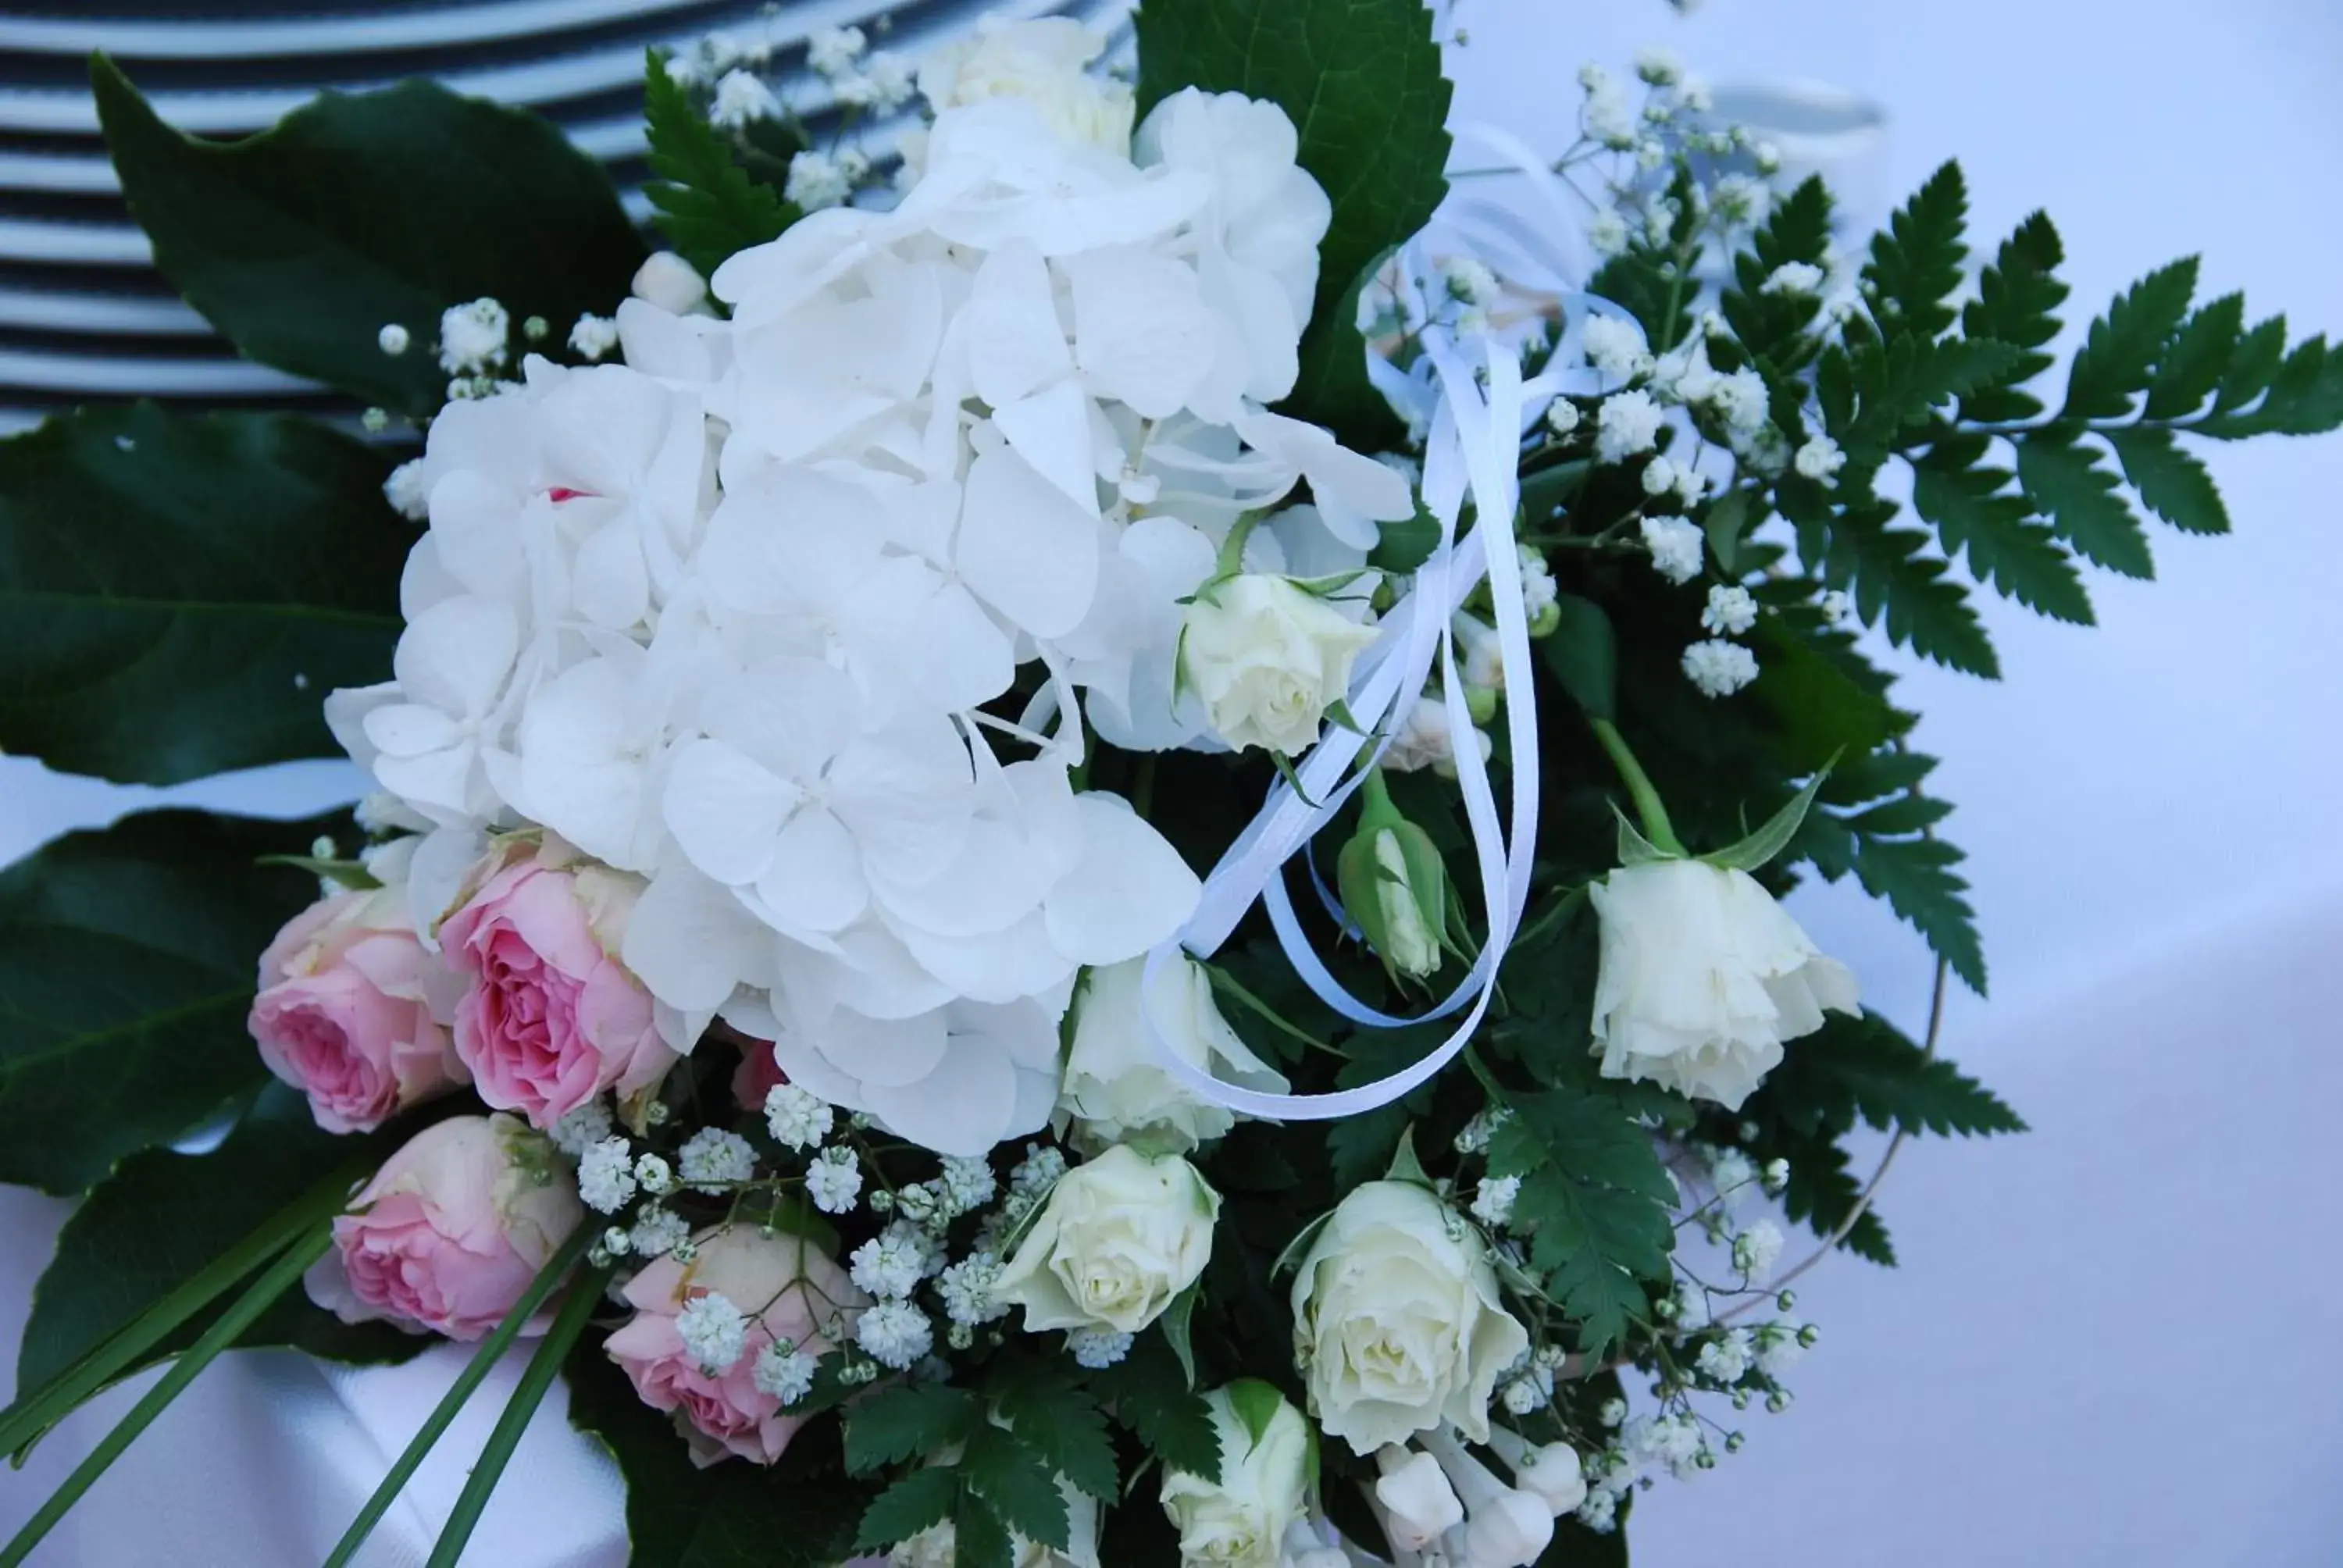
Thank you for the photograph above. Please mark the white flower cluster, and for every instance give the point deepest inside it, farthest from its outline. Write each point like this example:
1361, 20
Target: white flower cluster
726, 616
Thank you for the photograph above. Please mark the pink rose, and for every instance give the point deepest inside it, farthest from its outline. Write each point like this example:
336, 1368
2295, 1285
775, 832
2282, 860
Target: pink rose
803, 1296
353, 1010
451, 1230
757, 1076
552, 1019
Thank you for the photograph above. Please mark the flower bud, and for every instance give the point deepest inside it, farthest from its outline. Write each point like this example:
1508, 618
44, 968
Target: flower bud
1551, 1471
667, 281
1395, 885
1546, 621
1417, 1497
1504, 1527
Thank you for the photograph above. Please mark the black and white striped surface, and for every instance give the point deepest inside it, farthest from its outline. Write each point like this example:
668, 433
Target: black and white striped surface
84, 317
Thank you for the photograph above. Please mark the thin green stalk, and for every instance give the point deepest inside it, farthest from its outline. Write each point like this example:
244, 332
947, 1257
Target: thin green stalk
1657, 827
279, 1278
490, 1466
25, 1423
458, 1393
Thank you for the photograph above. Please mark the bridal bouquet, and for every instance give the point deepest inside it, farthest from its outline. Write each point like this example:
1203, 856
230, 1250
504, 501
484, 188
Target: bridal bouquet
1077, 849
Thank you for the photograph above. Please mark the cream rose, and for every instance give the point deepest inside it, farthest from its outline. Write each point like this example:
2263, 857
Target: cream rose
1268, 658
1240, 1521
1703, 978
1042, 62
1120, 1236
1397, 1325
1116, 1088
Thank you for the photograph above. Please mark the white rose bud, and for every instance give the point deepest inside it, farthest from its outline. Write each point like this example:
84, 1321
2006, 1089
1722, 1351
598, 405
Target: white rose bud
1041, 61
1551, 1471
1703, 978
1120, 1237
667, 281
1268, 658
1116, 1088
1419, 1504
1397, 1320
1242, 1519
1395, 885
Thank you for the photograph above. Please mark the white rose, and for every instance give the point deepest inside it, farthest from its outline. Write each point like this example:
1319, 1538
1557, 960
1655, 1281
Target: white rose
1041, 61
1241, 1520
1120, 1236
1702, 977
1396, 1322
1116, 1087
1268, 658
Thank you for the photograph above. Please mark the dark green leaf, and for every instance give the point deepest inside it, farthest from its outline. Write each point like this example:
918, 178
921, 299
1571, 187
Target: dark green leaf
2170, 482
1361, 81
1064, 1423
1009, 1474
1889, 576
1404, 546
918, 1502
2124, 345
709, 208
1916, 263
127, 960
177, 595
1898, 385
906, 1420
1150, 1398
1974, 511
1823, 1192
981, 1539
2066, 483
1864, 1068
2305, 398
2258, 355
2194, 365
1883, 773
300, 244
1808, 680
1916, 875
2017, 303
1583, 655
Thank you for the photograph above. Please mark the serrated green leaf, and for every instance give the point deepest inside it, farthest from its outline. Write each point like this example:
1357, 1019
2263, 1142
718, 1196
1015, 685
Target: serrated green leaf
2017, 301
2123, 346
708, 206
2256, 360
2305, 398
1903, 814
2194, 363
2066, 483
1974, 511
1890, 579
1012, 1476
1915, 262
1881, 774
917, 1503
1823, 1192
2170, 482
1150, 1399
905, 1421
1770, 325
1864, 1069
359, 210
1065, 1425
980, 1537
179, 594
1583, 655
1897, 386
1916, 875
1361, 81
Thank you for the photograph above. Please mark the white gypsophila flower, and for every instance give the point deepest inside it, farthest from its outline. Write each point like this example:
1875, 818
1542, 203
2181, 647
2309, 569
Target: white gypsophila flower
1032, 1177
1267, 657
714, 1331
1245, 1518
1740, 400
472, 337
889, 1265
606, 1176
1692, 91
1727, 1359
965, 1289
1675, 547
1797, 278
1758, 1248
969, 1182
1780, 1347
1658, 66
1835, 606
1731, 1174
784, 1373
713, 1160
1600, 1512
409, 490
1691, 484
1562, 417
1819, 459
1659, 220
1530, 1390
1719, 668
618, 1241
1537, 582
1651, 155
591, 337
742, 99
1702, 979
392, 340
1612, 1412
1097, 1348
1738, 198
1120, 1237
1607, 232
817, 180
885, 84
834, 1180
1776, 1176
653, 1174
1731, 610
1659, 477
894, 1334
1608, 116
1629, 423
1468, 278
1472, 1138
1493, 1201
1689, 1307
795, 1119
832, 51
1615, 346
658, 1231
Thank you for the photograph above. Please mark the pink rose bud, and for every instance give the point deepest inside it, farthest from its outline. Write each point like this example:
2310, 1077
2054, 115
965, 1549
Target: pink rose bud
757, 1076
552, 1019
451, 1230
353, 1010
797, 1293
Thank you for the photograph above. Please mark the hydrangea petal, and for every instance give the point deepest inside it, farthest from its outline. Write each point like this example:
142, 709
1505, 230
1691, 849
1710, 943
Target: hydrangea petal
1025, 547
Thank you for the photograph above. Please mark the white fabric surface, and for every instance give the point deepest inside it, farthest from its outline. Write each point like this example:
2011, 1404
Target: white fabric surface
2113, 1341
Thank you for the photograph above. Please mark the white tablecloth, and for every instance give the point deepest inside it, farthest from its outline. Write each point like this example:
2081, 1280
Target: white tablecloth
2116, 1341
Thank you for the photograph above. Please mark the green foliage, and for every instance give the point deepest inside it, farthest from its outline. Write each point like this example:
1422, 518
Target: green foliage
2018, 301
170, 587
708, 206
2067, 484
1866, 1068
1898, 381
732, 1515
1584, 654
2119, 356
1975, 512
1875, 822
1149, 1397
127, 966
905, 1421
1362, 82
1593, 1202
354, 211
1850, 541
1061, 1419
1772, 327
160, 1218
1016, 1482
2171, 482
2303, 394
920, 1500
1916, 263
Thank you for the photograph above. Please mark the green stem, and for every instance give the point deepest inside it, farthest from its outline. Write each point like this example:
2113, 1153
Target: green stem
458, 1393
1142, 784
24, 1425
490, 1466
1376, 810
1657, 827
1231, 561
279, 1278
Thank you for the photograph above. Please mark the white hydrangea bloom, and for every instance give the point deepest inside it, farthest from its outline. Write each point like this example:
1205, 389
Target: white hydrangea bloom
1719, 668
1675, 547
894, 1334
472, 337
1629, 423
1730, 611
605, 1175
714, 1331
713, 1160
